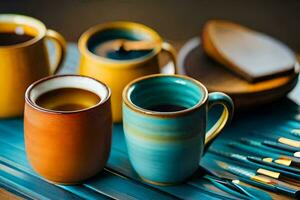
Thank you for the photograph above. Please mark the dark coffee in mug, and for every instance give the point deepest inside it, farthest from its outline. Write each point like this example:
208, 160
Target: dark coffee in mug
166, 108
67, 99
24, 58
102, 39
12, 38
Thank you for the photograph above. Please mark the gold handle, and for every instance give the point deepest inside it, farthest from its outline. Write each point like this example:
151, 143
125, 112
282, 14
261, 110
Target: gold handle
170, 50
220, 98
60, 46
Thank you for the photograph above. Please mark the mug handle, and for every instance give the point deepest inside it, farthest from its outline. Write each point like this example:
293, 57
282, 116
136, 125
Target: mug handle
60, 46
215, 98
171, 51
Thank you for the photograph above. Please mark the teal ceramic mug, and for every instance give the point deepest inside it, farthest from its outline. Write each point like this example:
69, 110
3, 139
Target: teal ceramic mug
164, 119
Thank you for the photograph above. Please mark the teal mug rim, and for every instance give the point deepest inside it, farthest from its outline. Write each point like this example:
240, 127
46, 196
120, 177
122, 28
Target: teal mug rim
127, 101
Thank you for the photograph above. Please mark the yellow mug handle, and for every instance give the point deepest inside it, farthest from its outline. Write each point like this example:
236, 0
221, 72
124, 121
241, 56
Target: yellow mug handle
171, 51
220, 98
60, 46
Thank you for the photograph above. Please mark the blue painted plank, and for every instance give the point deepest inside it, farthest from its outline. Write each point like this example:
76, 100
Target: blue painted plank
107, 183
14, 191
16, 159
31, 185
15, 139
11, 137
122, 188
119, 162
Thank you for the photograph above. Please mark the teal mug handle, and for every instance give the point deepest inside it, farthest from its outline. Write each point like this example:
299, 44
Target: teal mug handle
218, 98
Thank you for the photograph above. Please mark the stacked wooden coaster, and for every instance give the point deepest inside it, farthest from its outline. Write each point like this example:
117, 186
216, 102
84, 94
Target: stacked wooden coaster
253, 68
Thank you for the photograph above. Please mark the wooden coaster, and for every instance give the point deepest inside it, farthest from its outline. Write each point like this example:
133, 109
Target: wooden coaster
192, 61
252, 55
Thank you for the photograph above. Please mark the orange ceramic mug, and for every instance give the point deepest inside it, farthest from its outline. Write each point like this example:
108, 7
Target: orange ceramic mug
67, 146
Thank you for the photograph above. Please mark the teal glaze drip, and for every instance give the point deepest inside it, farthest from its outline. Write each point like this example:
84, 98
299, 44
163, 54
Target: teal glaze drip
158, 161
162, 149
182, 127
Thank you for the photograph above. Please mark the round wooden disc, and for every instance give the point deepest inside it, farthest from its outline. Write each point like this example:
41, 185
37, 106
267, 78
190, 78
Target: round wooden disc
193, 62
253, 55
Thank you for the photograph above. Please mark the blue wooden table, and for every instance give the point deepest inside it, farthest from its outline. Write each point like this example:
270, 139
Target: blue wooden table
118, 180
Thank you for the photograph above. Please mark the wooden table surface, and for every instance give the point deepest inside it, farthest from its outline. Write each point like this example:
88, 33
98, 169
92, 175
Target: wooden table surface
175, 20
122, 182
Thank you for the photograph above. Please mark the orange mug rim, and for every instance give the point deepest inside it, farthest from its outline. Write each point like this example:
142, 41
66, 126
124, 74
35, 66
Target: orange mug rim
49, 111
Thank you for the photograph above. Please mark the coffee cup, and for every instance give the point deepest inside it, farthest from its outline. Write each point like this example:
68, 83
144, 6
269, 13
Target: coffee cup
118, 67
164, 121
24, 59
67, 127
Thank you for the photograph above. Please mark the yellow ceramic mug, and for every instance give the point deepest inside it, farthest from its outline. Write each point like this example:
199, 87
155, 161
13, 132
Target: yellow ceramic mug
118, 72
24, 59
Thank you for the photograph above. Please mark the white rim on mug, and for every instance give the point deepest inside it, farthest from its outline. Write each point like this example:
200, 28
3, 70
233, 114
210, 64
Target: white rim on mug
50, 83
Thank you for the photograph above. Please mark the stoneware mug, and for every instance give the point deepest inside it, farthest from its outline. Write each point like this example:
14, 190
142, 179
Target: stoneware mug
116, 73
166, 147
67, 147
23, 61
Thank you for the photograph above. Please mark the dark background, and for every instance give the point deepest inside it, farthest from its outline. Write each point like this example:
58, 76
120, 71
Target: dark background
174, 20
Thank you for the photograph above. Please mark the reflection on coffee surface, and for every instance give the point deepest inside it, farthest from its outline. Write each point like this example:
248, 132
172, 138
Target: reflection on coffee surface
166, 108
14, 37
118, 54
99, 45
67, 99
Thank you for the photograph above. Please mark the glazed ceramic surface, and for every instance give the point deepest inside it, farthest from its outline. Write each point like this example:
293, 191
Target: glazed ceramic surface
166, 147
23, 63
67, 146
118, 73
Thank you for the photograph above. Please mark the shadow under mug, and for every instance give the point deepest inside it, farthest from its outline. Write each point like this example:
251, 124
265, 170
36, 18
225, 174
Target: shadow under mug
118, 73
67, 147
166, 147
24, 62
